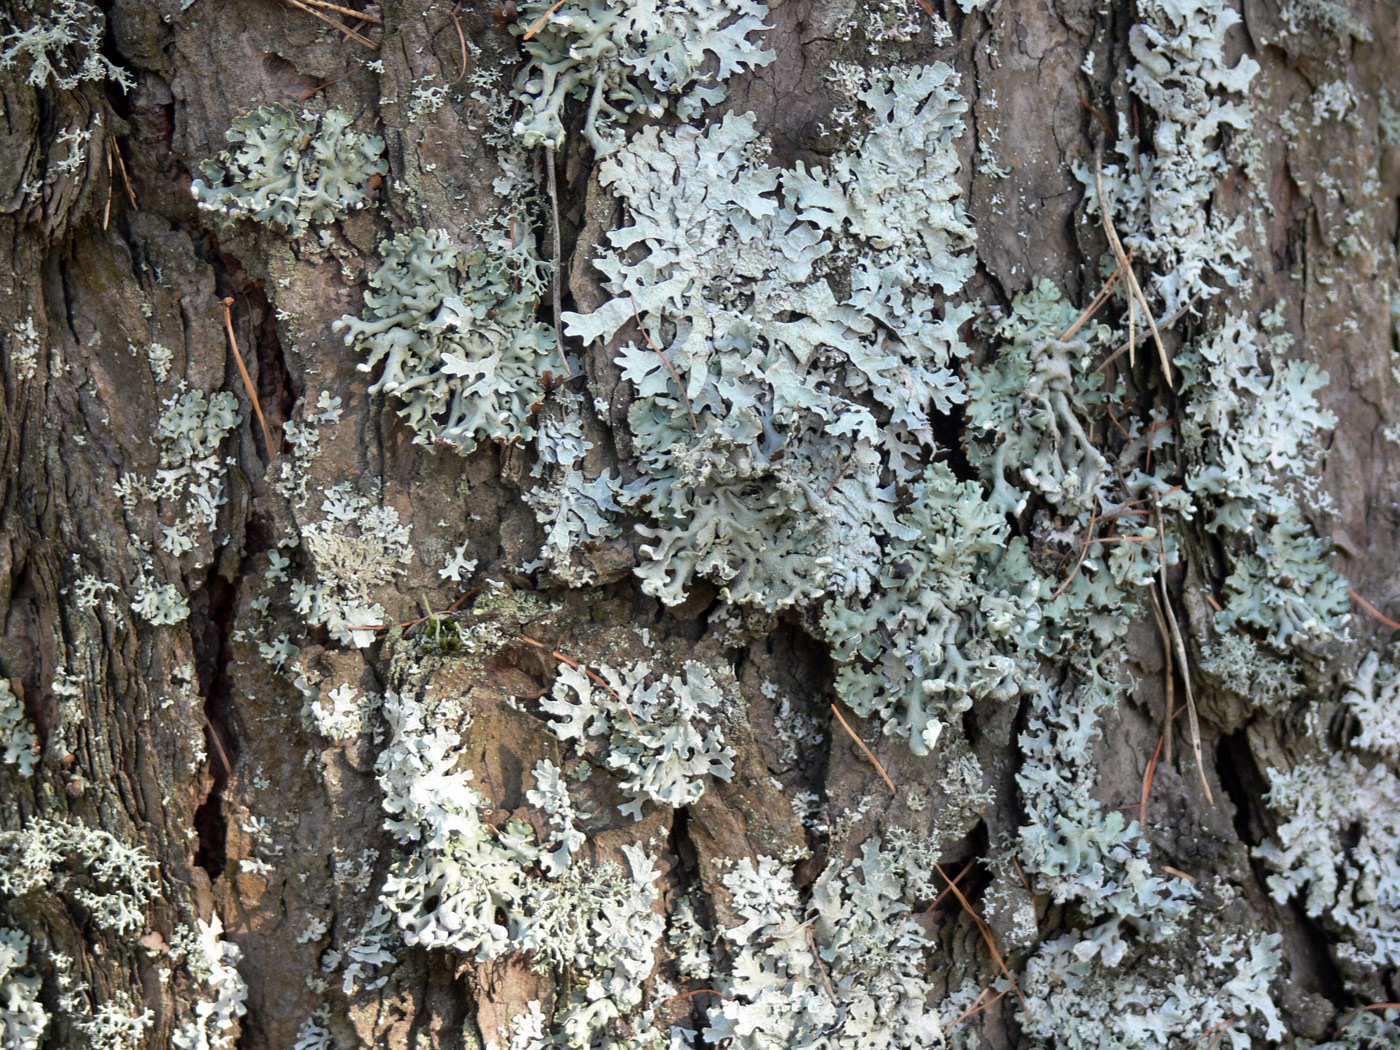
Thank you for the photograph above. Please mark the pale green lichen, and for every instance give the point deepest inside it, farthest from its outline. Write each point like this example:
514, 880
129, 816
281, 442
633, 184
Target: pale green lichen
60, 43
1355, 888
291, 172
22, 1016
456, 337
762, 455
623, 58
358, 547
19, 744
1160, 196
662, 735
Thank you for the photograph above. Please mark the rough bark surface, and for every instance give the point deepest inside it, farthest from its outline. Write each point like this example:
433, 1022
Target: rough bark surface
186, 740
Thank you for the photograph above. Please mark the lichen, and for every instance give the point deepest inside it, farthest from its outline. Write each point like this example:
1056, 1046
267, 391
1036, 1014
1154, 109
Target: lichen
18, 740
661, 735
22, 1016
456, 337
61, 43
291, 172
625, 58
769, 395
358, 547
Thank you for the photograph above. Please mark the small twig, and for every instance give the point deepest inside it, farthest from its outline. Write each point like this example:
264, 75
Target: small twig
1122, 257
121, 166
554, 278
1147, 782
322, 87
1180, 646
1178, 873
218, 746
1024, 881
580, 667
987, 935
868, 753
1096, 303
272, 448
697, 991
1083, 550
328, 6
542, 20
669, 367
939, 899
1171, 688
461, 39
975, 1009
347, 30
1218, 1028
1361, 1009
821, 966
839, 475
1373, 610
1123, 349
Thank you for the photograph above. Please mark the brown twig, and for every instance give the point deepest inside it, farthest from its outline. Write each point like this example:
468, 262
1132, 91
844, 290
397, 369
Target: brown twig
1147, 782
272, 448
939, 899
556, 293
1178, 873
667, 362
868, 753
580, 667
328, 6
1170, 688
1122, 257
1179, 644
1096, 303
542, 20
1362, 1009
987, 935
976, 1009
1083, 550
461, 39
1373, 610
697, 991
1123, 349
347, 30
322, 87
1218, 1028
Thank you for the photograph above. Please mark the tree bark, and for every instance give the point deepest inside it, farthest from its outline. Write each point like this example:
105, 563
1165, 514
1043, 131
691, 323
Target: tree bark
207, 748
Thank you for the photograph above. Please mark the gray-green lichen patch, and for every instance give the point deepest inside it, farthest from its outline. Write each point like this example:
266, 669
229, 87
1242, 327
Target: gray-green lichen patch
662, 735
455, 338
1159, 198
622, 59
290, 171
22, 1016
19, 744
792, 349
58, 43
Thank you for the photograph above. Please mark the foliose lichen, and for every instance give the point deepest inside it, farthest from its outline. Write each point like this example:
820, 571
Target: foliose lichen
456, 336
623, 58
18, 740
291, 171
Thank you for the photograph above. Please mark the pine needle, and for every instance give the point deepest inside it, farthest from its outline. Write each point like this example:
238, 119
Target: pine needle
987, 935
868, 753
669, 367
272, 447
542, 20
1133, 285
1373, 610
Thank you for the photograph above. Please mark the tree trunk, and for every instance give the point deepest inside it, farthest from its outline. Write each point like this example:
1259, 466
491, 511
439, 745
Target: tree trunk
863, 595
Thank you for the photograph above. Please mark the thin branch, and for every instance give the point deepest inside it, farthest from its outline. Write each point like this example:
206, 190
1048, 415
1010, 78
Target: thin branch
1171, 686
669, 367
868, 753
987, 936
542, 20
1122, 257
1180, 646
335, 25
557, 276
1097, 302
1373, 610
272, 447
328, 6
